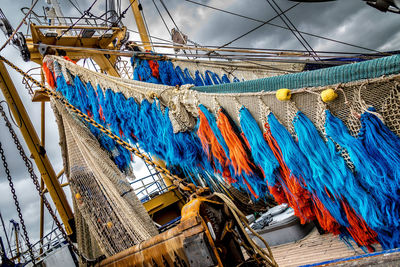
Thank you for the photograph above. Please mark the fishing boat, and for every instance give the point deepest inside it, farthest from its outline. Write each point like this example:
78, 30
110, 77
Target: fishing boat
254, 156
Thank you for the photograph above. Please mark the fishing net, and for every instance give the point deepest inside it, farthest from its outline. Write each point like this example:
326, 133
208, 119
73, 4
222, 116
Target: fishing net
110, 216
166, 125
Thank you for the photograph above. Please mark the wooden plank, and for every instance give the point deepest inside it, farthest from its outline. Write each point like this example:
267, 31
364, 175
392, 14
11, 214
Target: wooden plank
314, 248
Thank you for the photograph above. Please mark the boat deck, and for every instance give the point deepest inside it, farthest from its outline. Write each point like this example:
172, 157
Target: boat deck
314, 248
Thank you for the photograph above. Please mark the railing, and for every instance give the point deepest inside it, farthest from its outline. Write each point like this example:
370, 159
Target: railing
89, 20
29, 86
150, 185
43, 247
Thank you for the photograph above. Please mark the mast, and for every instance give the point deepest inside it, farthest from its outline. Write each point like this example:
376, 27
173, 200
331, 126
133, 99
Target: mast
5, 233
16, 231
144, 35
57, 10
112, 11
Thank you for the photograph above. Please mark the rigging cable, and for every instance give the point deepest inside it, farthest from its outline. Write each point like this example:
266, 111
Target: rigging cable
80, 12
173, 21
259, 26
162, 18
283, 27
283, 52
254, 50
296, 30
169, 14
112, 24
145, 22
29, 19
76, 22
19, 26
303, 42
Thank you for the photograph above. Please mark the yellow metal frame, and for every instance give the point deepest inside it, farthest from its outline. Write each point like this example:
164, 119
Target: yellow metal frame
111, 41
144, 36
162, 201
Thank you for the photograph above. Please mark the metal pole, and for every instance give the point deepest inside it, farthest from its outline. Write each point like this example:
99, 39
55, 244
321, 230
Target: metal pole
16, 228
42, 138
5, 233
144, 36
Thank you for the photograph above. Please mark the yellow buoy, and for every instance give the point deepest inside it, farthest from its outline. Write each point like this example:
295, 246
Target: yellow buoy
109, 225
328, 95
77, 196
283, 94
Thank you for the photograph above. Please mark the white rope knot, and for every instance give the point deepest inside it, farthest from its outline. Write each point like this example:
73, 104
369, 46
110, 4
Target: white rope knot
339, 88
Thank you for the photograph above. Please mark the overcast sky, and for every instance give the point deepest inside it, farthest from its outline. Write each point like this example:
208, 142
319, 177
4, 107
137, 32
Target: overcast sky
348, 21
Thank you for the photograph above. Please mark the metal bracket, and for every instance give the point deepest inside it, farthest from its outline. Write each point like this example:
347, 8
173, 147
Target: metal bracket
198, 251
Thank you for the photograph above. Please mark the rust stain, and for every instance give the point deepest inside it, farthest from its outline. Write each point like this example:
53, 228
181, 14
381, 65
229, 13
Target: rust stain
163, 249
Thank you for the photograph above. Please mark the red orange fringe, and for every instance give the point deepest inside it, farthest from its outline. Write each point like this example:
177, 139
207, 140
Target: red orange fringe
237, 152
49, 76
296, 195
212, 148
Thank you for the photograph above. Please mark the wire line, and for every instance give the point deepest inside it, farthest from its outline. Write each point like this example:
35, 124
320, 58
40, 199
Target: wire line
301, 40
259, 26
162, 18
296, 30
76, 22
283, 27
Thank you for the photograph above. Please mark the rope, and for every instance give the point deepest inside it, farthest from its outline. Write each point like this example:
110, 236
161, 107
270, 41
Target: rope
19, 26
173, 21
243, 223
164, 171
75, 7
145, 23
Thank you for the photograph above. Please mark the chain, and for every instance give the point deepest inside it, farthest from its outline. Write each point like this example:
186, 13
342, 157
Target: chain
35, 180
184, 187
21, 220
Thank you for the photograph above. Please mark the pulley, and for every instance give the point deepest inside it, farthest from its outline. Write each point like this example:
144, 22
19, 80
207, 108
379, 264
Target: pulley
18, 39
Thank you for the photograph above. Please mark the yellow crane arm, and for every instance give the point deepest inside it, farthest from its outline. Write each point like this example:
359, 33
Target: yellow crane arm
38, 153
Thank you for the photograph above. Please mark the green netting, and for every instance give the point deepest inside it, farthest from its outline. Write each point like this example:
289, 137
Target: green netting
341, 74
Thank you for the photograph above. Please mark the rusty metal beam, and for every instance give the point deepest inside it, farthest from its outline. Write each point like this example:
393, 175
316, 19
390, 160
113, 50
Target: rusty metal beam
163, 249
